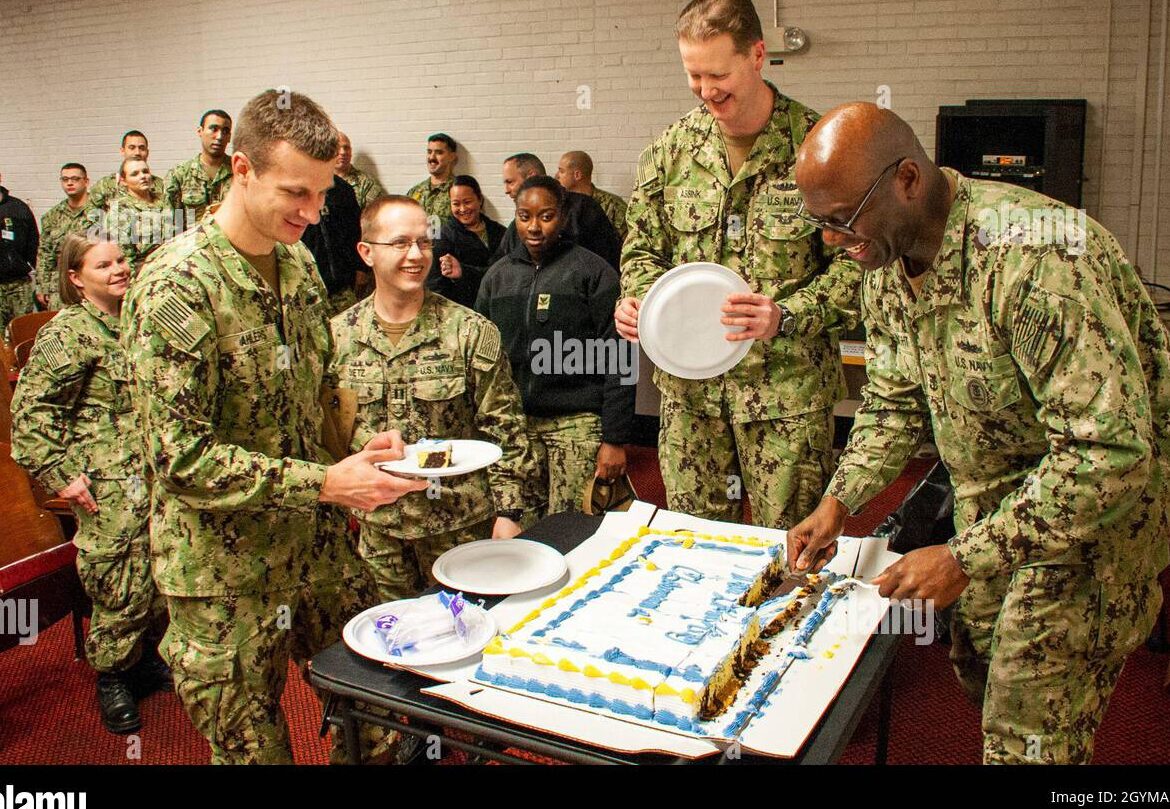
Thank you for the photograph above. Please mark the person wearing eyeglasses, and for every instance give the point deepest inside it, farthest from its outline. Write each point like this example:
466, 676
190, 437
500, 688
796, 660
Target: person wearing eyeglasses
717, 186
416, 362
1016, 331
67, 216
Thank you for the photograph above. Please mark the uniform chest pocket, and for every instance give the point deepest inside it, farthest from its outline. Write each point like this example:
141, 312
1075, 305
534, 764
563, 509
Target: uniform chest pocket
987, 391
194, 195
439, 389
251, 359
785, 226
695, 216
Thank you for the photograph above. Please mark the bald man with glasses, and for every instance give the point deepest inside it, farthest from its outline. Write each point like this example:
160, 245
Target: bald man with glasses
1033, 354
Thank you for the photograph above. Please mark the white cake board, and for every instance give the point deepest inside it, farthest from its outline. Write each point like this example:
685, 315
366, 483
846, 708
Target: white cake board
789, 716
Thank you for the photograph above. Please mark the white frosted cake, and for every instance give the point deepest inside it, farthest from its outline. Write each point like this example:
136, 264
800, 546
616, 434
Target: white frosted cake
665, 629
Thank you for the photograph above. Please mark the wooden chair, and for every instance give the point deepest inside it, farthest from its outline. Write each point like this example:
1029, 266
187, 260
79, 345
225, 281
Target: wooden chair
23, 350
37, 560
5, 400
26, 327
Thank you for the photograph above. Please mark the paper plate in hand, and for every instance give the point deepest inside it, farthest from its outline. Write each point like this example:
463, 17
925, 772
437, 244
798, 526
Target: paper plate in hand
678, 321
361, 636
500, 566
466, 456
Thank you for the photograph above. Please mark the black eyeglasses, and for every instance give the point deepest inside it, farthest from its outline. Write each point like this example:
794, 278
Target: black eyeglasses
403, 245
847, 227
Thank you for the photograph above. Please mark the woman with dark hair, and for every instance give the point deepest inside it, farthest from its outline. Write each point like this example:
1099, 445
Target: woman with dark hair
553, 302
75, 430
465, 246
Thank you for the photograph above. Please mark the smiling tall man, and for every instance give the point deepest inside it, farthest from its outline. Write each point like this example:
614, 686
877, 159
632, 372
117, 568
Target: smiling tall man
227, 335
718, 186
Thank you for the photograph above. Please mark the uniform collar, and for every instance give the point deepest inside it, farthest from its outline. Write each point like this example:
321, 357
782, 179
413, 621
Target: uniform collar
225, 166
945, 284
773, 144
109, 321
424, 329
290, 269
520, 251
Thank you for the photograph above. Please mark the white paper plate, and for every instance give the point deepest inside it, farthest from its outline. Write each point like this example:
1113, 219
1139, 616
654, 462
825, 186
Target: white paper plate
361, 636
466, 456
500, 566
678, 321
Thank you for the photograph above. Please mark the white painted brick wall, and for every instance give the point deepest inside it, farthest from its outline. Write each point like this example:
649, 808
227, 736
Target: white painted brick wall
502, 76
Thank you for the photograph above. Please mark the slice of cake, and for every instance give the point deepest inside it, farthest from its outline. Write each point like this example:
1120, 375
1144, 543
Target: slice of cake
433, 454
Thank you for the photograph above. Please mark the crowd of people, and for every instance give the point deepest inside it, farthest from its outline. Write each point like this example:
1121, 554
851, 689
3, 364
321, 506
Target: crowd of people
213, 403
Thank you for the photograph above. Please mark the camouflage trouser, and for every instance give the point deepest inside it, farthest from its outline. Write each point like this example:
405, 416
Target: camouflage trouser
784, 465
401, 568
230, 653
113, 563
1041, 652
16, 298
340, 301
570, 444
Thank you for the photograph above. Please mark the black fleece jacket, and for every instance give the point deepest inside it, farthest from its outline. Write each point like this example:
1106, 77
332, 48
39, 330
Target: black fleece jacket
563, 309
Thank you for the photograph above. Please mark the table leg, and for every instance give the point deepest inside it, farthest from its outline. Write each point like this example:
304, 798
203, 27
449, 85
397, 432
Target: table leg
885, 704
349, 725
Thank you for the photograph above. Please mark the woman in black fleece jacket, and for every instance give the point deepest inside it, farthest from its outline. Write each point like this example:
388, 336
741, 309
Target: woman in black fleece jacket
553, 302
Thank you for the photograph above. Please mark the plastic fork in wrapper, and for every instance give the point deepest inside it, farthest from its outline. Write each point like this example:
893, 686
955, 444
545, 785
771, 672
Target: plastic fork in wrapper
428, 622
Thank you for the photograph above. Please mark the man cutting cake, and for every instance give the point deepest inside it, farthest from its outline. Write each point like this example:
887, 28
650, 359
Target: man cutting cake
1038, 361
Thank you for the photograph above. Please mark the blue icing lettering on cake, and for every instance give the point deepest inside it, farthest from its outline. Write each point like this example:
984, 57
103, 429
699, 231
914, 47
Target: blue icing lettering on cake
664, 629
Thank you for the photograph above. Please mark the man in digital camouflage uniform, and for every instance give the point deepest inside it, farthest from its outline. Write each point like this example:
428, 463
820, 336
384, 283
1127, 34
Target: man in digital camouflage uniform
1017, 330
717, 186
575, 173
227, 338
103, 192
195, 185
429, 368
434, 193
365, 187
67, 216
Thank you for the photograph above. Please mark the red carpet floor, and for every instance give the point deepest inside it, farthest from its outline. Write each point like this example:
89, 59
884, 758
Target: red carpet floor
48, 712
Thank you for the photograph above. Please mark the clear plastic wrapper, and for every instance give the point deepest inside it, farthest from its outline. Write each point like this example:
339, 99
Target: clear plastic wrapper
427, 623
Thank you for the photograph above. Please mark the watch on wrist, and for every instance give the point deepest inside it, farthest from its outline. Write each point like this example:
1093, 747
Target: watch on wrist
787, 323
513, 514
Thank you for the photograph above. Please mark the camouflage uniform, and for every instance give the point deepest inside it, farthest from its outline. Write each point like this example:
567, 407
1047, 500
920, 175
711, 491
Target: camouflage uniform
435, 199
365, 187
187, 187
571, 444
73, 415
614, 207
16, 299
228, 378
138, 226
105, 190
1045, 376
446, 378
57, 223
768, 419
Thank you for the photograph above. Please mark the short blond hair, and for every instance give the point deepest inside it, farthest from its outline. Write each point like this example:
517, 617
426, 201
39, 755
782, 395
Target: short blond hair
374, 208
706, 19
274, 116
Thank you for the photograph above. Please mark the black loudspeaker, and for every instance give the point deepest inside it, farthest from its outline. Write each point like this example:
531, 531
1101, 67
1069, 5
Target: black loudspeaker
1034, 143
